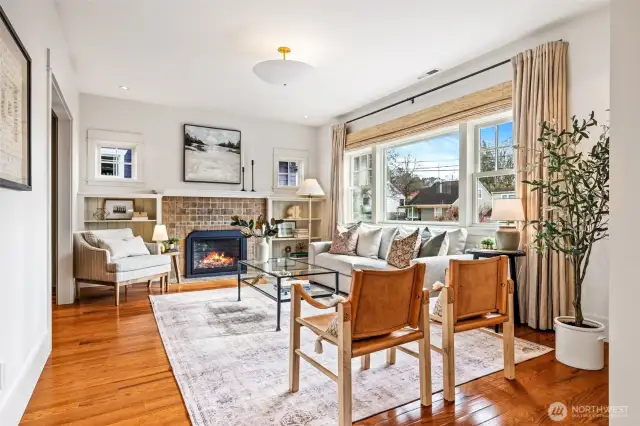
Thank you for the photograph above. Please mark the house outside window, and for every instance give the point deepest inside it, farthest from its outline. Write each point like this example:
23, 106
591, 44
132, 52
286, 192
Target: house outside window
494, 175
422, 178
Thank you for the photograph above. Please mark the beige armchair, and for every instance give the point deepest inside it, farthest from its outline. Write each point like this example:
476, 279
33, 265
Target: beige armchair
93, 265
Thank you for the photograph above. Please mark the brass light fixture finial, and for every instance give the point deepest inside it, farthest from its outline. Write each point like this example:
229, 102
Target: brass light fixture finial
284, 50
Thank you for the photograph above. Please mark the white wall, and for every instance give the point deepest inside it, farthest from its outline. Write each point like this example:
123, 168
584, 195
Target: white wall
162, 130
25, 335
588, 36
625, 151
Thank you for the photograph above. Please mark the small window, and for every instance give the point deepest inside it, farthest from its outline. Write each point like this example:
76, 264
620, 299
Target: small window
288, 174
116, 162
114, 158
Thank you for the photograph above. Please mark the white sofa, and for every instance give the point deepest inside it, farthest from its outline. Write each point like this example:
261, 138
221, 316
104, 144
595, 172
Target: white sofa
344, 264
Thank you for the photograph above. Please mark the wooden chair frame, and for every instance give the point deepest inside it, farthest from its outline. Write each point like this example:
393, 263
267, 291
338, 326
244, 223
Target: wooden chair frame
346, 352
452, 324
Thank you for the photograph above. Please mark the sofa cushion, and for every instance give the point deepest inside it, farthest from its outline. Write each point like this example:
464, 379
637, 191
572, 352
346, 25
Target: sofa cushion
137, 262
369, 238
346, 264
435, 246
457, 241
403, 250
388, 234
94, 237
125, 247
344, 241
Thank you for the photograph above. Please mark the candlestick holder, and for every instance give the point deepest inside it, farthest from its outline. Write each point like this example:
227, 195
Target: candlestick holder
252, 177
243, 180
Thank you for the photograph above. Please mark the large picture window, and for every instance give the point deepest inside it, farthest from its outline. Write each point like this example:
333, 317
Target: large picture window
422, 180
447, 176
494, 175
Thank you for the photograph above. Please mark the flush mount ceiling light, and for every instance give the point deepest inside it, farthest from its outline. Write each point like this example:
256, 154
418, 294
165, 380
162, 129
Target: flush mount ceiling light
282, 71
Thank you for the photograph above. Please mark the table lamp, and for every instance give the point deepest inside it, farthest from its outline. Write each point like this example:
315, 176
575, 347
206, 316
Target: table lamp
509, 210
160, 235
310, 188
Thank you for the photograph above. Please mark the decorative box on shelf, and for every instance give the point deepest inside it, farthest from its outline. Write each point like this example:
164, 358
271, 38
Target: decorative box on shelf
140, 216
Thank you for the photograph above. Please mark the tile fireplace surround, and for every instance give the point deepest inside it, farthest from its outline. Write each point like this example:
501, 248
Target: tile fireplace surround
185, 214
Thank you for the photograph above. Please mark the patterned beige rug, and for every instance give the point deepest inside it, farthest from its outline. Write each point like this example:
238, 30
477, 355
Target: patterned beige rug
231, 365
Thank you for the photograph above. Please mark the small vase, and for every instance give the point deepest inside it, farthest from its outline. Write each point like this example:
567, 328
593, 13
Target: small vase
262, 250
172, 246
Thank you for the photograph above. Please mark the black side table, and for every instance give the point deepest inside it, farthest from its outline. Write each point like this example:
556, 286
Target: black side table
478, 253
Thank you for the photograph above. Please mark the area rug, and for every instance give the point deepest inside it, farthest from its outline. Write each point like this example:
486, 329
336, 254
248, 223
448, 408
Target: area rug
232, 366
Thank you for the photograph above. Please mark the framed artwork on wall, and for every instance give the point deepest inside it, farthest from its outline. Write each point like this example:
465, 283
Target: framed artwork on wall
118, 209
212, 155
15, 109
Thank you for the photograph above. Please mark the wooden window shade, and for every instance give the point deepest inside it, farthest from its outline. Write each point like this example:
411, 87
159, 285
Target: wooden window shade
476, 105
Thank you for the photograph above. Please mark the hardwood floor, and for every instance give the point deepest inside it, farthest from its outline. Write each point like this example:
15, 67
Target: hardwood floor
108, 366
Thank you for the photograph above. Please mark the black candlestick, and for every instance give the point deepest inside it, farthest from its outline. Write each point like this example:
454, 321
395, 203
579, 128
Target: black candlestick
243, 179
252, 177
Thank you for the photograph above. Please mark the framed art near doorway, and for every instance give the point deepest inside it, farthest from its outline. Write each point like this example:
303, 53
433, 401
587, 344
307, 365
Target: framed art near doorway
15, 109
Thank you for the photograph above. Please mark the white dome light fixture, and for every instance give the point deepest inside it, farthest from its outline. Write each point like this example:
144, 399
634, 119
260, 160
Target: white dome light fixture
282, 71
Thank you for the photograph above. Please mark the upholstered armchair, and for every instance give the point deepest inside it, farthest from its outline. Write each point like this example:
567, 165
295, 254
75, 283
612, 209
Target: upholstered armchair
93, 265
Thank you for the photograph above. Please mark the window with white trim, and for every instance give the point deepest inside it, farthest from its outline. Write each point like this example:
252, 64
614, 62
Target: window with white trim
494, 176
288, 168
359, 187
114, 158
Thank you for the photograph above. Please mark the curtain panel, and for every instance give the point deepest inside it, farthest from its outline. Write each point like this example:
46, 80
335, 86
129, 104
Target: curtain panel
475, 105
539, 94
339, 135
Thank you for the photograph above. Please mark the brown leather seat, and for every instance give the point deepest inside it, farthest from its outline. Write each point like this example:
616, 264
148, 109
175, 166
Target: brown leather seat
384, 310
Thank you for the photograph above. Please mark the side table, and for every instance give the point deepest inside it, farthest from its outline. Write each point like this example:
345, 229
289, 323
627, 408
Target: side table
512, 255
175, 263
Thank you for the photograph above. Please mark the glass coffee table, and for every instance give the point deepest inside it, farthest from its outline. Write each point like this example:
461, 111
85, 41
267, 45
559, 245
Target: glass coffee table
271, 279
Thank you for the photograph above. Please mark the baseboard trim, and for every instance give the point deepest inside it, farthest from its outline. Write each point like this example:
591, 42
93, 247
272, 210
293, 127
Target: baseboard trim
12, 407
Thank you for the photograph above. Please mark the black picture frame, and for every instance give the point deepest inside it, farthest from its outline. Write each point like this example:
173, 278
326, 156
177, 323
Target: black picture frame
6, 183
185, 149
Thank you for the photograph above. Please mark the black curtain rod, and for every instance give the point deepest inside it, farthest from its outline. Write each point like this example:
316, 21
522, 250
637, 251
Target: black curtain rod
413, 98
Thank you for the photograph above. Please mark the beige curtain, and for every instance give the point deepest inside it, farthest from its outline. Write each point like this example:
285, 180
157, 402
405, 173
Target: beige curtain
539, 94
339, 140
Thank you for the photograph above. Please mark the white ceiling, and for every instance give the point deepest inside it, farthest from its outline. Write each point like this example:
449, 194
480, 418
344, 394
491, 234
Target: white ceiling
200, 53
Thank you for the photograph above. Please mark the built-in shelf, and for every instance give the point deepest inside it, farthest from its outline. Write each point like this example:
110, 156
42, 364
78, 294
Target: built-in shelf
119, 220
306, 219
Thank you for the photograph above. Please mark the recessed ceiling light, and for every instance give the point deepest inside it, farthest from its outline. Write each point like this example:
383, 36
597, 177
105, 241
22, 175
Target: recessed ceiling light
306, 116
124, 87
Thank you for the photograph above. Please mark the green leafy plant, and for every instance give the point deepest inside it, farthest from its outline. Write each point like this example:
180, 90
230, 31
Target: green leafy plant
173, 240
260, 228
575, 188
487, 243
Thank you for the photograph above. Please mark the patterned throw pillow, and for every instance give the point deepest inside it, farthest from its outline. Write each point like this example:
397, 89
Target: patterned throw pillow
437, 308
404, 249
345, 241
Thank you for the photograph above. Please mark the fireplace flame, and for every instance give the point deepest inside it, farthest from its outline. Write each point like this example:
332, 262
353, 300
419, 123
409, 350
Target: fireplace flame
216, 260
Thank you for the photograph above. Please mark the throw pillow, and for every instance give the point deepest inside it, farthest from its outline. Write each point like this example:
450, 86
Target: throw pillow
437, 308
457, 241
369, 241
344, 241
125, 247
404, 249
435, 246
388, 234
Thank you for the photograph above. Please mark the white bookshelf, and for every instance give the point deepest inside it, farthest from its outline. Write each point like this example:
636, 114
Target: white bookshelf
148, 203
313, 222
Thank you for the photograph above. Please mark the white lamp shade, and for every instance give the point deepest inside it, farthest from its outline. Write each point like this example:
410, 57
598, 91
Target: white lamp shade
160, 233
509, 209
282, 72
310, 187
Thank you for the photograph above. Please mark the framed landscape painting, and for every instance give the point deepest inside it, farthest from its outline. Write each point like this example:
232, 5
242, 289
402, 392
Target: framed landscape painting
212, 155
15, 109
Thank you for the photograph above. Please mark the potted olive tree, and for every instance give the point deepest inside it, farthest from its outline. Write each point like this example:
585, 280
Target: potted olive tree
574, 217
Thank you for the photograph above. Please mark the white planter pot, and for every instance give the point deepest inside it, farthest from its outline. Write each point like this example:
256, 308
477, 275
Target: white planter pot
579, 347
262, 250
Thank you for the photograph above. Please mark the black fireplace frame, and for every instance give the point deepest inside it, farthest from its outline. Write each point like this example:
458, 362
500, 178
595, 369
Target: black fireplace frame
209, 235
